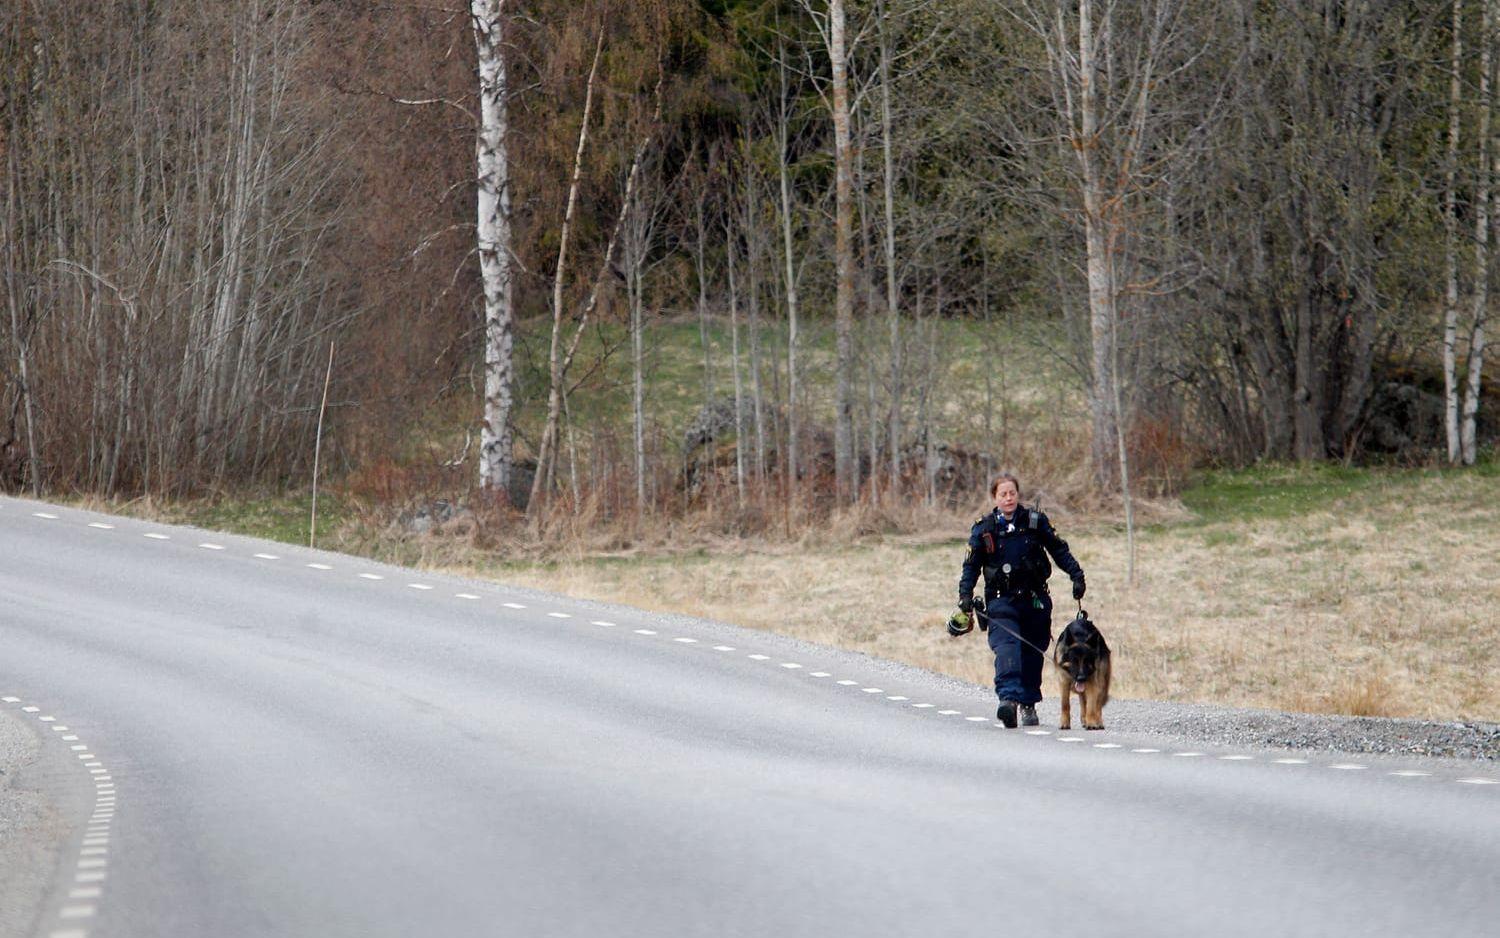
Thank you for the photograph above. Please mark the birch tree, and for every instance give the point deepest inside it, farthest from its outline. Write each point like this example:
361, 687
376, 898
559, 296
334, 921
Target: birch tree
494, 244
1488, 170
1450, 239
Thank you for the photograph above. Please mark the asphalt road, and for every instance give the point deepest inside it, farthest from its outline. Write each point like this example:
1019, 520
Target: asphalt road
284, 744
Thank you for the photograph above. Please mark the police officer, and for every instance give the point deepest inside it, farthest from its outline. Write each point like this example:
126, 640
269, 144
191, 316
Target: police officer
1010, 545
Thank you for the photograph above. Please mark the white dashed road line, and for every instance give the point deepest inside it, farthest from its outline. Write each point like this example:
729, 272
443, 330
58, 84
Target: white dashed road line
93, 852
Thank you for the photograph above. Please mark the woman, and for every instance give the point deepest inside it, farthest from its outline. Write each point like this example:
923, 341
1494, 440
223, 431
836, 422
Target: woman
1010, 545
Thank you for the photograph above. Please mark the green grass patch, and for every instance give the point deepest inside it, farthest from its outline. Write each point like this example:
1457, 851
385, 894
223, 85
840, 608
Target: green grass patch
276, 517
1277, 491
1282, 491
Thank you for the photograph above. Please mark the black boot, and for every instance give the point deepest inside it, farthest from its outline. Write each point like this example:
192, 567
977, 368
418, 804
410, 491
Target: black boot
1007, 714
1028, 715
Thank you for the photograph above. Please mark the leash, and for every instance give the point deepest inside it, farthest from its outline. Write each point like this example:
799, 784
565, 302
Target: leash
994, 623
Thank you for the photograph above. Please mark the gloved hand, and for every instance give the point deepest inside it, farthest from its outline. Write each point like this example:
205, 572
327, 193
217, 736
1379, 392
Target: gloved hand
1078, 588
960, 623
966, 604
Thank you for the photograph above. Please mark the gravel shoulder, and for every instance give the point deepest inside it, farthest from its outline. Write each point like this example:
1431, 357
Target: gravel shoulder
1224, 726
31, 828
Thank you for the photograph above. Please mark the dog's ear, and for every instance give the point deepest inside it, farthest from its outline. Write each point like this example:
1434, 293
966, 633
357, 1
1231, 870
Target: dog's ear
1097, 643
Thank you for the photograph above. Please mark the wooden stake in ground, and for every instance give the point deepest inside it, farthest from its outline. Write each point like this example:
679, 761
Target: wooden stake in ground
312, 524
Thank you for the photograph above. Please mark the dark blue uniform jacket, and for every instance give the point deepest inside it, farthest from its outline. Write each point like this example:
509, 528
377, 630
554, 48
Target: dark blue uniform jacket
1012, 554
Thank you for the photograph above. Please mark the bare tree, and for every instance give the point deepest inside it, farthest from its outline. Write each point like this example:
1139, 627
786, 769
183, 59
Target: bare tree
556, 366
792, 274
642, 215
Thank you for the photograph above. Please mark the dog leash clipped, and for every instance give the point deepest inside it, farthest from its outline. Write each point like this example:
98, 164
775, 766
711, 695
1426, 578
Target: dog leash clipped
991, 623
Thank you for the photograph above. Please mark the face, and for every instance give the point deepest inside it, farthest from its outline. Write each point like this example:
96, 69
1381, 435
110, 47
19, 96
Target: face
1006, 497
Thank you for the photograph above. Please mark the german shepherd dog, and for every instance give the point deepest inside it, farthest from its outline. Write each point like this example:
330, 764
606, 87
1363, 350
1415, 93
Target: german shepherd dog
1082, 660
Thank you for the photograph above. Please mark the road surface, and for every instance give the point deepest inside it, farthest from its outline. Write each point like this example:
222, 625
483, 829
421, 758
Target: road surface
248, 739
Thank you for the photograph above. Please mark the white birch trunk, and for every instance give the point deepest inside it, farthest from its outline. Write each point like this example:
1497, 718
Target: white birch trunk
1450, 243
494, 243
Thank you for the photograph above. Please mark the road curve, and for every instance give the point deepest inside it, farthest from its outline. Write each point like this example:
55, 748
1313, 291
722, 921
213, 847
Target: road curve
287, 742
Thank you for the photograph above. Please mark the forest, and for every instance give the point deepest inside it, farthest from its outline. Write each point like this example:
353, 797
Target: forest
659, 254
